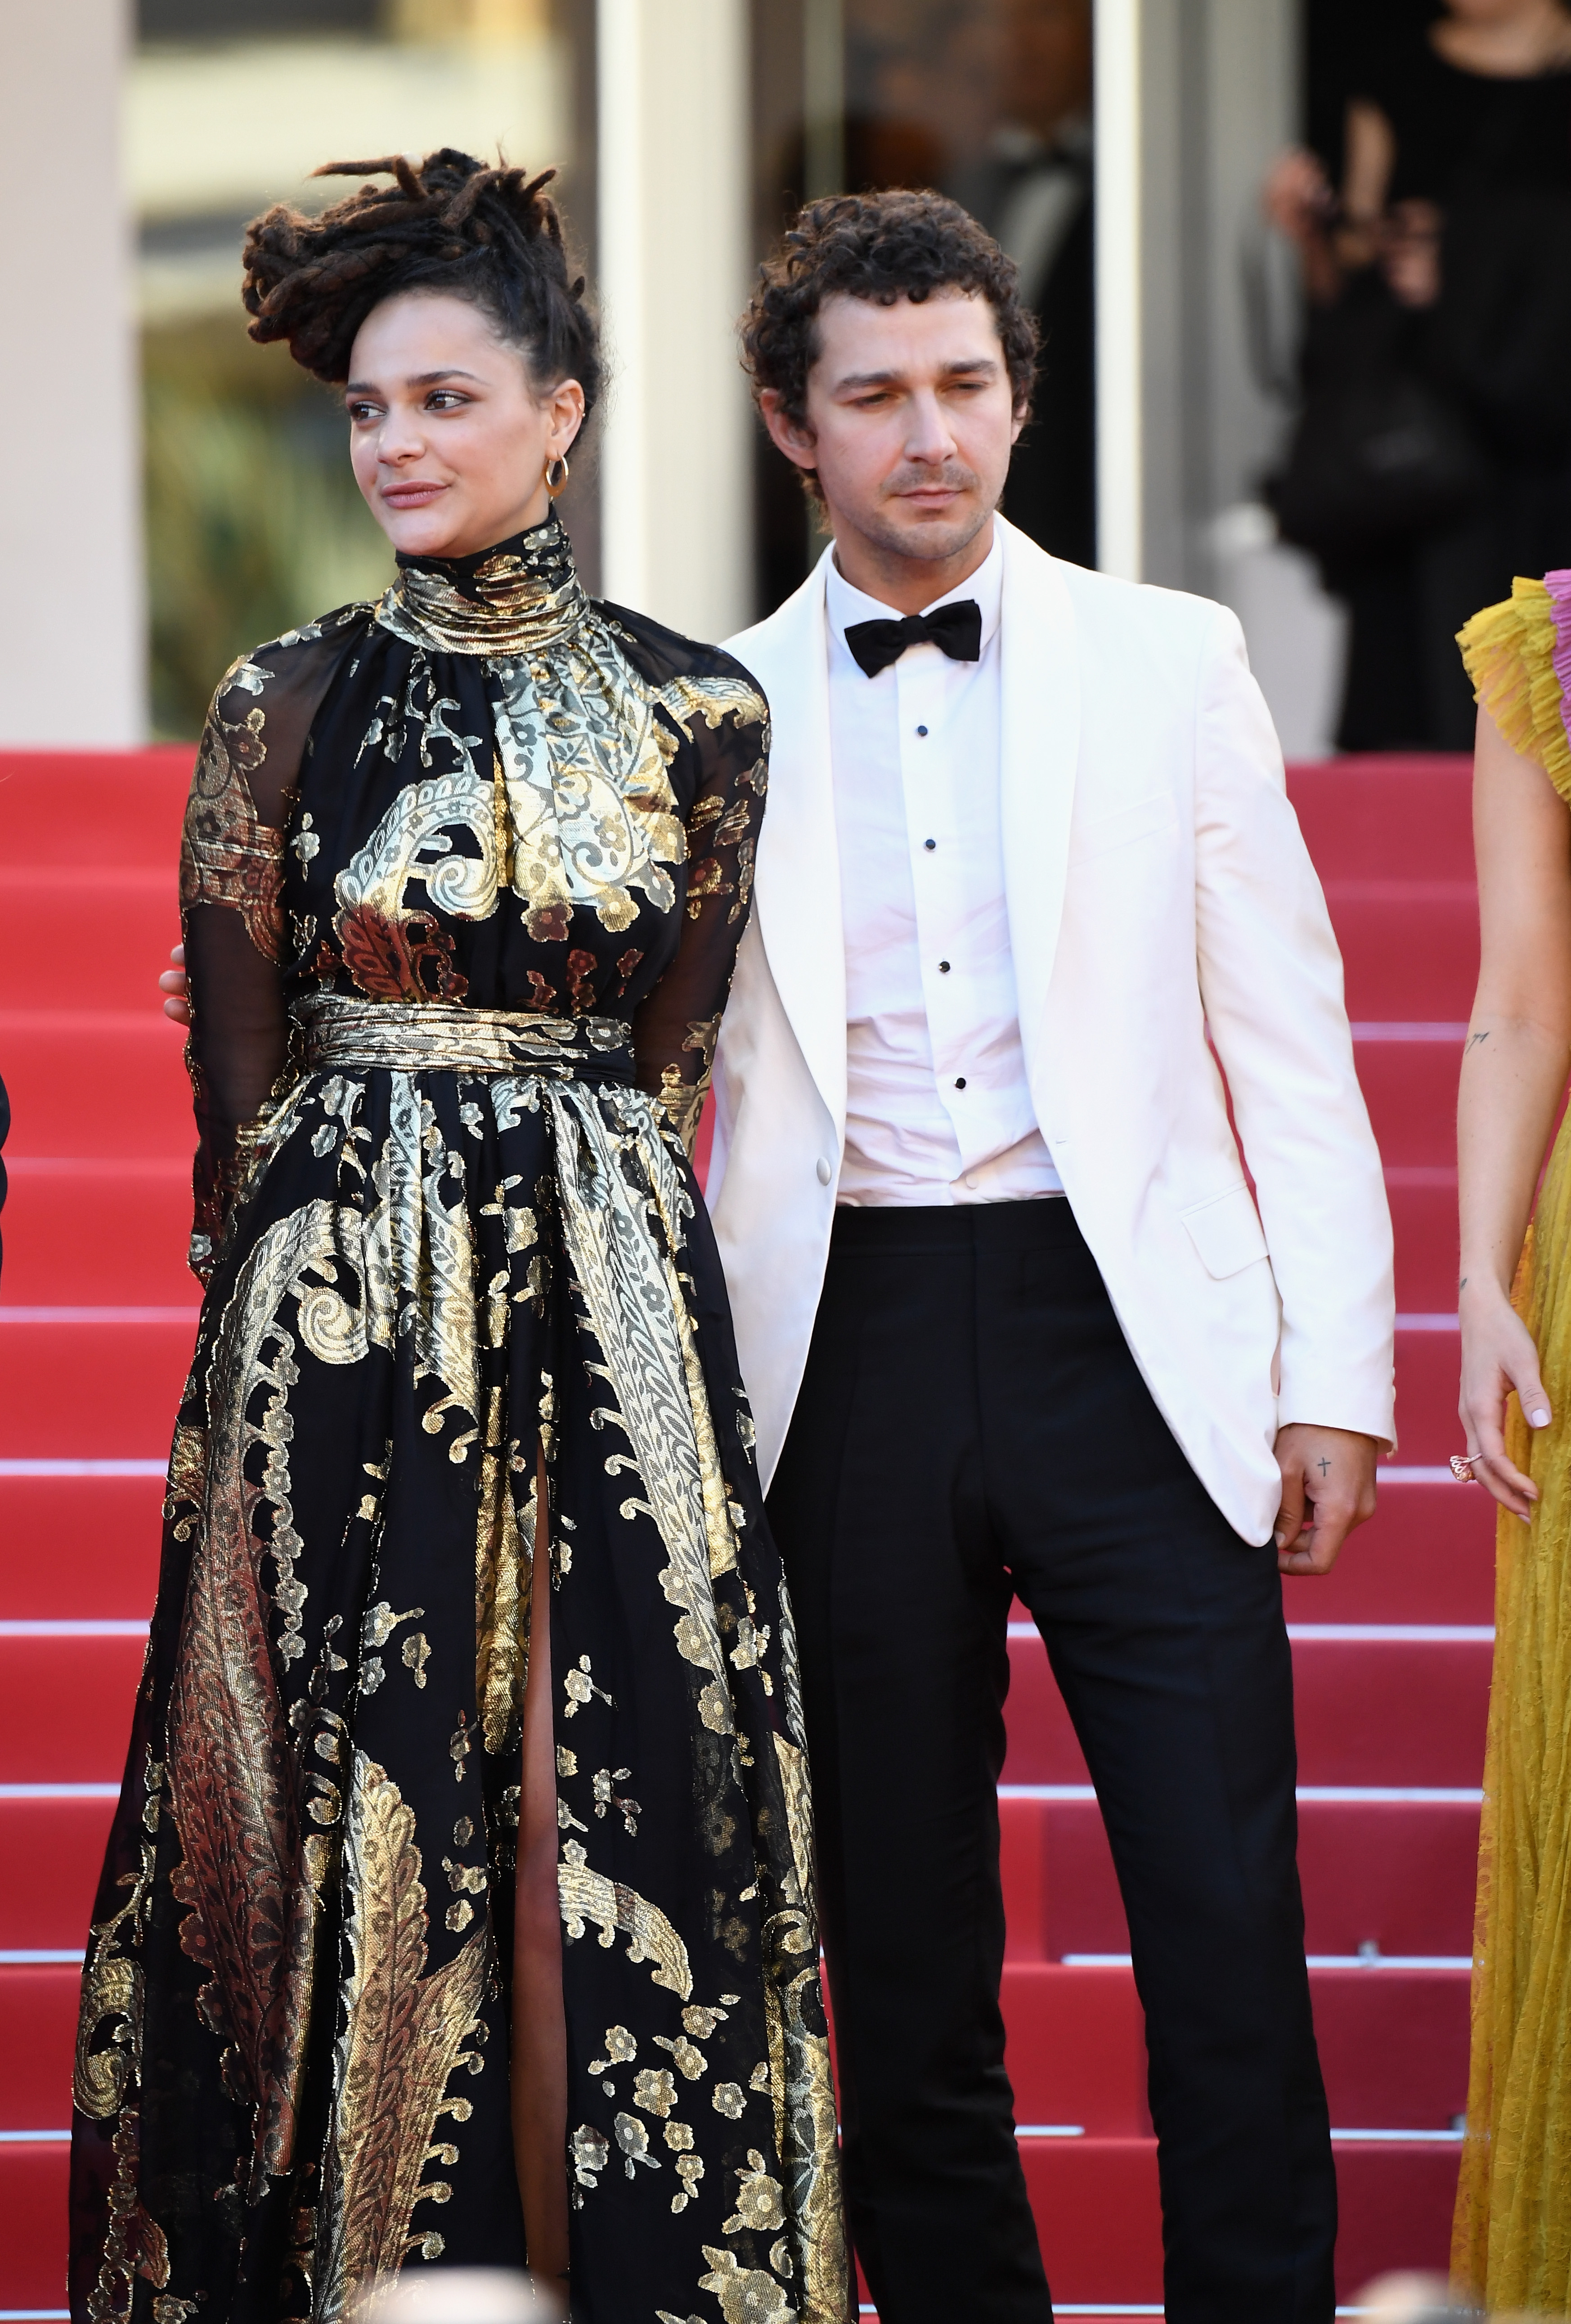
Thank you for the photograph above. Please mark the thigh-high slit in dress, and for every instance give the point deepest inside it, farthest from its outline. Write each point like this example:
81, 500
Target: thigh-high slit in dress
464, 876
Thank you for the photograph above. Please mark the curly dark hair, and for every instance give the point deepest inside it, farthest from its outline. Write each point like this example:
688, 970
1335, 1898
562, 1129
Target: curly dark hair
880, 247
449, 223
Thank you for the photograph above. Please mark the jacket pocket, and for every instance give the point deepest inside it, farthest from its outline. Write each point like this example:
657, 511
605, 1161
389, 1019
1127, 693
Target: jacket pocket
1226, 1231
1141, 819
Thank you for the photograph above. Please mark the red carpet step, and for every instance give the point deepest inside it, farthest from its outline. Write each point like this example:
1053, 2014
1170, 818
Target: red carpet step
1407, 1708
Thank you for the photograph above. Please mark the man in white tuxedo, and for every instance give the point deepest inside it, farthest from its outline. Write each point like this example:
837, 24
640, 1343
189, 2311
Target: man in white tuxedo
1011, 1319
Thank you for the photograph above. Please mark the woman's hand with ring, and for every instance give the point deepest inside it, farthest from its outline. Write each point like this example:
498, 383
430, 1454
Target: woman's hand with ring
1498, 1355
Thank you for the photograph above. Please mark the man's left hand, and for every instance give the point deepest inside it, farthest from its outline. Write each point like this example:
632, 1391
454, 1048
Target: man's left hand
1328, 1488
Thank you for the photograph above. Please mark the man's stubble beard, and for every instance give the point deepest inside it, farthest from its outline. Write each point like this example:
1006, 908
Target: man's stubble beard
926, 544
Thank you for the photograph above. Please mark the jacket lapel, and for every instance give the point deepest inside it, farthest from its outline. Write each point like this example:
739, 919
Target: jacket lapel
1039, 740
798, 877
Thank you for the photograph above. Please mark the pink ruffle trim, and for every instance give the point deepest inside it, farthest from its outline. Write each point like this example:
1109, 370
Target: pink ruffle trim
1559, 585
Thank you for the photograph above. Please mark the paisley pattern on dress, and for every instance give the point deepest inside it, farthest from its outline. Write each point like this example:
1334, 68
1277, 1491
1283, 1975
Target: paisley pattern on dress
471, 981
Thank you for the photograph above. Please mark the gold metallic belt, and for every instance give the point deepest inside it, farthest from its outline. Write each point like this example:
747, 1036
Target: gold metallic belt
440, 1036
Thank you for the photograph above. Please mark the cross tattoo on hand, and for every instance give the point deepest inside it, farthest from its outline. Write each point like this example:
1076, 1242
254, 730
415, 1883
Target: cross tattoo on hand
1323, 1465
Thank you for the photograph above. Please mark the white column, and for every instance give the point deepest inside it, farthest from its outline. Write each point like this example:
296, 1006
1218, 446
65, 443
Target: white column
1120, 446
72, 628
676, 470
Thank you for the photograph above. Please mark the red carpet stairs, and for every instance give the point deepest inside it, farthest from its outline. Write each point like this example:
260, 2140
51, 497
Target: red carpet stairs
1391, 1654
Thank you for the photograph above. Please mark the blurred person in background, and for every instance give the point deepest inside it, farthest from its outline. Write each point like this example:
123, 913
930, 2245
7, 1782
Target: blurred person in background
991, 100
470, 1631
1512, 2240
1031, 188
1433, 459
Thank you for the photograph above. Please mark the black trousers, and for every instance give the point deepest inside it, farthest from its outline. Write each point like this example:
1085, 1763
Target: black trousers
972, 1425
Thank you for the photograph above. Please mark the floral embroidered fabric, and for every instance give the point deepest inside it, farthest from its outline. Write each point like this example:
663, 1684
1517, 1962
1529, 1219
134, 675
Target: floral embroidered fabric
464, 878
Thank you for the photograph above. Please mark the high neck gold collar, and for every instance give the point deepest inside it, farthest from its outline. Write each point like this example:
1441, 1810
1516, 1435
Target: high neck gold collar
516, 598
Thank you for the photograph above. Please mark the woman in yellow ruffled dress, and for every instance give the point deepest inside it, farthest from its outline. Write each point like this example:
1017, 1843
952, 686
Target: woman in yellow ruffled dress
1512, 2237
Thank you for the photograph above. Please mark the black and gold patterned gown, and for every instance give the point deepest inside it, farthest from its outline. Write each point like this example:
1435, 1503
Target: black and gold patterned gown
464, 877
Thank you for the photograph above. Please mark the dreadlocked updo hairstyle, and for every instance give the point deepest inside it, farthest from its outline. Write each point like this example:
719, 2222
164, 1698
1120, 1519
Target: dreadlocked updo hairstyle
450, 225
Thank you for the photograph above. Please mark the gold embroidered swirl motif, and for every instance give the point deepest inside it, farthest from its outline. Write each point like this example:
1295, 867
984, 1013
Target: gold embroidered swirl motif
227, 855
249, 1885
803, 2084
403, 2037
359, 1036
628, 1295
512, 600
584, 764
394, 945
503, 1586
588, 1895
411, 1254
134, 2244
110, 1989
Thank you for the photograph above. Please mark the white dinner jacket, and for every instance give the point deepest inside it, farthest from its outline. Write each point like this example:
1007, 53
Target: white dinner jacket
1157, 887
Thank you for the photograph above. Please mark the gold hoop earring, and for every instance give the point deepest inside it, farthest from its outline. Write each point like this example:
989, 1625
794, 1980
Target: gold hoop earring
556, 489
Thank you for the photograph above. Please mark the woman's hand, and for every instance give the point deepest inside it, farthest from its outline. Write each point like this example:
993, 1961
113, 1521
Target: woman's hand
173, 983
1410, 253
1498, 1355
1300, 202
1298, 196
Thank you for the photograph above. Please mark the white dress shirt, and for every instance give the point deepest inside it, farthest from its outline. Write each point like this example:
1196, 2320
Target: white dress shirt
937, 1106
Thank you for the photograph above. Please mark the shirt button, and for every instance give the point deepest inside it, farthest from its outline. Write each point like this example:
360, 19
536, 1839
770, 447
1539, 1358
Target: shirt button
960, 1081
929, 844
921, 730
943, 968
825, 1172
971, 1177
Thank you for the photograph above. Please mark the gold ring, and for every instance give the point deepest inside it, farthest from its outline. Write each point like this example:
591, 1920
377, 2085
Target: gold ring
1462, 1468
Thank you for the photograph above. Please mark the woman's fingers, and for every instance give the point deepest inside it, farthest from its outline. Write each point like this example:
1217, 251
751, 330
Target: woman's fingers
173, 983
1499, 1357
1295, 194
1531, 1393
1484, 1419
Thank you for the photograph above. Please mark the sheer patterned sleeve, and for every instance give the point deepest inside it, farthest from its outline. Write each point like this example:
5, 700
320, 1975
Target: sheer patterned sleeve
674, 1033
1518, 655
231, 910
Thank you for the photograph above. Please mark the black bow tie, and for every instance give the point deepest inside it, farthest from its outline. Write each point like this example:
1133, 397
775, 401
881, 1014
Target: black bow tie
954, 629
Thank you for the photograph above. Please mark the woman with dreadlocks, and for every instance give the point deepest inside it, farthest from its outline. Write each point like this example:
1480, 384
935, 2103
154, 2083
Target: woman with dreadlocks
457, 1907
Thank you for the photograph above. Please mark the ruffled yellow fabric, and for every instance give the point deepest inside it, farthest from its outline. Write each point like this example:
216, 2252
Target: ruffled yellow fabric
1512, 2241
1510, 653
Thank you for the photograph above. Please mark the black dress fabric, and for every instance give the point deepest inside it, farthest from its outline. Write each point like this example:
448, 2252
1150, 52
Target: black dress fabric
971, 1426
464, 877
1457, 130
1494, 156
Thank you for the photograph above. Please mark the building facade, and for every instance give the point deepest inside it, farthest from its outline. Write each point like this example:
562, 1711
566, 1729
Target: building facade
1115, 146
